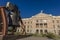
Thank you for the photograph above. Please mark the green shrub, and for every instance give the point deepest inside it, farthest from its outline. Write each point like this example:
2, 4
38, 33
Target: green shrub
37, 35
51, 35
44, 35
17, 33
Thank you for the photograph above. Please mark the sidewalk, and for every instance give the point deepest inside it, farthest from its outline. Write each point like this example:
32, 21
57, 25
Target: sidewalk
35, 38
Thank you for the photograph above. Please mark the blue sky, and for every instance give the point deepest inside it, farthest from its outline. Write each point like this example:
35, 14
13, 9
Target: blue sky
29, 8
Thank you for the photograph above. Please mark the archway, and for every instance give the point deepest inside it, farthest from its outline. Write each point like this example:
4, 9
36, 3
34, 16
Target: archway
37, 31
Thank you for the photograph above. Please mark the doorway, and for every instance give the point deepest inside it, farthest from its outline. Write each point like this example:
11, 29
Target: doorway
37, 31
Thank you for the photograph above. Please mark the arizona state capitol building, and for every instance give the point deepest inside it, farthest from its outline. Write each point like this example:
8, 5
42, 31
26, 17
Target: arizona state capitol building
42, 23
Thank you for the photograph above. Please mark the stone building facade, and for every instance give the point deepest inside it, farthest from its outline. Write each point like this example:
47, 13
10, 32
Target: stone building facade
42, 23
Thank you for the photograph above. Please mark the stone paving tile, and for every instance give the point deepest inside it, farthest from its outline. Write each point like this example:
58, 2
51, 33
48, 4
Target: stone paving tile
34, 38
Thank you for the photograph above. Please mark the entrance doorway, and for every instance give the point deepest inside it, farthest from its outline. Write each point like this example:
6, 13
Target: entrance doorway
37, 31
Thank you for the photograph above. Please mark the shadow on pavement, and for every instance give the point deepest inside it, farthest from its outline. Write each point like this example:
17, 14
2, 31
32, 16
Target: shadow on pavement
14, 37
23, 36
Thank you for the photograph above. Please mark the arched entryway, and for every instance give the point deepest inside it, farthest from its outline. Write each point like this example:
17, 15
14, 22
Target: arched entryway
37, 31
41, 31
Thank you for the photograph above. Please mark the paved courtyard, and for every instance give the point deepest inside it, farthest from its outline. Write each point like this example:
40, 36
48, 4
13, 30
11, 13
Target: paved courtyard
34, 38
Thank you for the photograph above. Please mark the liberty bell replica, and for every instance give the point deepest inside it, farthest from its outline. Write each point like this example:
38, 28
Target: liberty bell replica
10, 18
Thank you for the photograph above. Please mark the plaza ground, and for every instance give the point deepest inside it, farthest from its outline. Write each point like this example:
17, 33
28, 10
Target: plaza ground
35, 38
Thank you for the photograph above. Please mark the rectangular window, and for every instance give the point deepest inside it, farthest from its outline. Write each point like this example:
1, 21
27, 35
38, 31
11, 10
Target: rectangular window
45, 25
57, 21
41, 25
58, 26
37, 25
